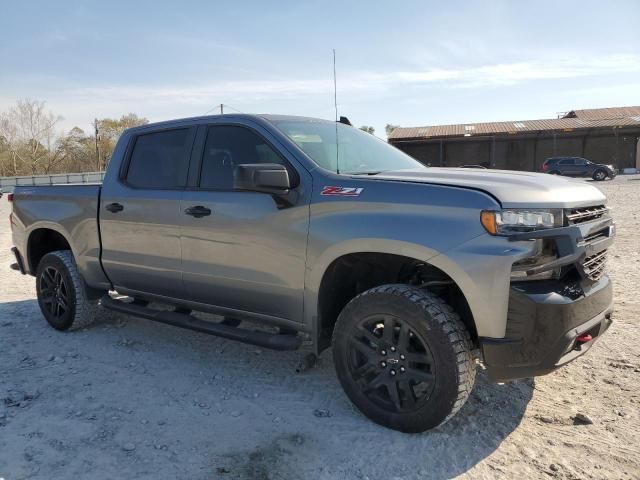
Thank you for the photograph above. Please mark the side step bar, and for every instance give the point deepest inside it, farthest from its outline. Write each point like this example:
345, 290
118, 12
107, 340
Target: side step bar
262, 339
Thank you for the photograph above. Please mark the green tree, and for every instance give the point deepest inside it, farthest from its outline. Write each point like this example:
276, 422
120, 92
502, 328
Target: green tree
368, 129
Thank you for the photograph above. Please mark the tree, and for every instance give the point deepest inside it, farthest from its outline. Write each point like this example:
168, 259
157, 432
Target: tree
79, 151
368, 129
30, 143
30, 135
390, 128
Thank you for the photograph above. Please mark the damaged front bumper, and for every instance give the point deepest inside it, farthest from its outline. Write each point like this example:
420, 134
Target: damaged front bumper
552, 322
549, 324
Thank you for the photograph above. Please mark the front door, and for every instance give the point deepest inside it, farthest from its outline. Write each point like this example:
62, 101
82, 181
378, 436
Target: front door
242, 250
140, 214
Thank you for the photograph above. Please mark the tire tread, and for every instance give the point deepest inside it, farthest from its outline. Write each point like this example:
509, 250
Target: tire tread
456, 332
85, 309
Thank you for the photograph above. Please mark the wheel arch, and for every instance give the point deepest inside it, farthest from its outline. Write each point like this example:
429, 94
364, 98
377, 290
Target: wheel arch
346, 270
42, 240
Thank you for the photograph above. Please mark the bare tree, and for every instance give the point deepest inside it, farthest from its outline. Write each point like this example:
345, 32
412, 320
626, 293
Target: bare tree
368, 129
30, 143
31, 137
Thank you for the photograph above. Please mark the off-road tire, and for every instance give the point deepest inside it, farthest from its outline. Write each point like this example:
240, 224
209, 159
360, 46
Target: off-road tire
81, 310
600, 175
430, 322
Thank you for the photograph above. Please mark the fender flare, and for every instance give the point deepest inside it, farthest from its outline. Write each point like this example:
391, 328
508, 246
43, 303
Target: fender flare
315, 273
44, 225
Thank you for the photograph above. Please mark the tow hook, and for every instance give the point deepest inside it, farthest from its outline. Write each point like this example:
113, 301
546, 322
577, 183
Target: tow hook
582, 339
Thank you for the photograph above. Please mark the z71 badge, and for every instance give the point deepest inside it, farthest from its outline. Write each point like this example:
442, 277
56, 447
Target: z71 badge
342, 191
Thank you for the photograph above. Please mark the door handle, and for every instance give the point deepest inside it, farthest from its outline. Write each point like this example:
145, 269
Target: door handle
114, 207
198, 211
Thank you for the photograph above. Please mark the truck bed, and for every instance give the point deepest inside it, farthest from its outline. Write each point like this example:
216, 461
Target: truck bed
70, 210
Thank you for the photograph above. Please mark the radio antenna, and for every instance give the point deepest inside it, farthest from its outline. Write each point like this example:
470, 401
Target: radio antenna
335, 104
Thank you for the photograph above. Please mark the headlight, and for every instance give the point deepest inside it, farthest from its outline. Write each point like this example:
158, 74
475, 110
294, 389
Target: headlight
518, 220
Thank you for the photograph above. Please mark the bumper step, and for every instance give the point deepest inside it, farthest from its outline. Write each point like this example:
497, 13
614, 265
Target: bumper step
262, 339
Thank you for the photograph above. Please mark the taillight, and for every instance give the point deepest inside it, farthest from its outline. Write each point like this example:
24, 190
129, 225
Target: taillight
10, 197
545, 167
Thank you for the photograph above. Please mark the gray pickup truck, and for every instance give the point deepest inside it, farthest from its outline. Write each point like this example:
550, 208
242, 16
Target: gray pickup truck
314, 230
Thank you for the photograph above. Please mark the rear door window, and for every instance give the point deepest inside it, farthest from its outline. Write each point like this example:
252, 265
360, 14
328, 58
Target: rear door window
567, 161
160, 160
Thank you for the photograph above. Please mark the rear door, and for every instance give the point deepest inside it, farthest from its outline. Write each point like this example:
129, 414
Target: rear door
140, 213
244, 251
567, 166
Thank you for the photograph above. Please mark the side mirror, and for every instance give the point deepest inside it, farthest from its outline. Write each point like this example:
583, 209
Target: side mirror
270, 178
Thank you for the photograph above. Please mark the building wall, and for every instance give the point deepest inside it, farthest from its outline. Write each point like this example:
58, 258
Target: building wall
527, 151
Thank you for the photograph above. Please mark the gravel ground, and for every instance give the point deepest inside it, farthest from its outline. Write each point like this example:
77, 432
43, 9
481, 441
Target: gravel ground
127, 398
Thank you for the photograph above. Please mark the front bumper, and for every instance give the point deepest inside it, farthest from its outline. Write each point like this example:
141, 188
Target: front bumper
552, 322
547, 325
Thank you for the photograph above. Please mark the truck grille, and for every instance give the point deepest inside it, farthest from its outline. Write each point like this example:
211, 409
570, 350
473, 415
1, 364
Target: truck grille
594, 266
585, 214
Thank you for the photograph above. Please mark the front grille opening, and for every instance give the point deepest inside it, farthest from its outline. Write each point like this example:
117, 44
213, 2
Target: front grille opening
594, 266
585, 214
604, 233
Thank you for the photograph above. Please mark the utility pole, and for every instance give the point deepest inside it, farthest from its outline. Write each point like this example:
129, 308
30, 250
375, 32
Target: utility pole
221, 109
95, 126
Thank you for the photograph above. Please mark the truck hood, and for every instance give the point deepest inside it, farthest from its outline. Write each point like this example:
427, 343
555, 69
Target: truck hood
510, 188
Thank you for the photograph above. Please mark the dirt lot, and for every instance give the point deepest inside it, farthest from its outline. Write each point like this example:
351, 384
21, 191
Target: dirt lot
127, 398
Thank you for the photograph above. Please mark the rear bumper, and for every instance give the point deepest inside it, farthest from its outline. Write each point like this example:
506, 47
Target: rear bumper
544, 323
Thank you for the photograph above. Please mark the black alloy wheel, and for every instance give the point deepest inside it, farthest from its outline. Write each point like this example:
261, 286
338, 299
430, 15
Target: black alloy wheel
403, 357
391, 363
54, 293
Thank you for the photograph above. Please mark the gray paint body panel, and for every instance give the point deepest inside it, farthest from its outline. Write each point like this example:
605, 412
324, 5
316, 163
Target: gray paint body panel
253, 258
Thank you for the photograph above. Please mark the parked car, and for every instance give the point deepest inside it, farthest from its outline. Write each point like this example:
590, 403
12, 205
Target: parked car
578, 167
411, 274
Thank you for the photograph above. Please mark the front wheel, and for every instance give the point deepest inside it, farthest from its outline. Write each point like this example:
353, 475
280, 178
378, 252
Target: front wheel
403, 357
62, 294
599, 175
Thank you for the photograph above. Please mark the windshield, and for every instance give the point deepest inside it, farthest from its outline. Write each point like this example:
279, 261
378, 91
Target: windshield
358, 152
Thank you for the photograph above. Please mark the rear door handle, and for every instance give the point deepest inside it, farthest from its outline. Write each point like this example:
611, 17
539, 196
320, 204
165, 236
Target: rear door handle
114, 207
198, 211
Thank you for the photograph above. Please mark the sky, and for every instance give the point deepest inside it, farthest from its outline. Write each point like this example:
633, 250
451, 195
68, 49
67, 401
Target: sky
407, 63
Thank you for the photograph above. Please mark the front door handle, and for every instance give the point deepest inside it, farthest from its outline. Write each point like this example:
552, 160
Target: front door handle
114, 207
198, 211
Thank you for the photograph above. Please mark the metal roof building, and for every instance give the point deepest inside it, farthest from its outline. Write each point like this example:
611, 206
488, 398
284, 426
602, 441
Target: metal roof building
604, 135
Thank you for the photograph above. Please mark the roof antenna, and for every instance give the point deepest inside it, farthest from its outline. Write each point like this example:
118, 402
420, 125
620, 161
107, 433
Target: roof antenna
335, 104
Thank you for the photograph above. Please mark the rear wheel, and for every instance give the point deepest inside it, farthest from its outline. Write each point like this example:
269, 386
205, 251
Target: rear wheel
62, 294
599, 175
403, 357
